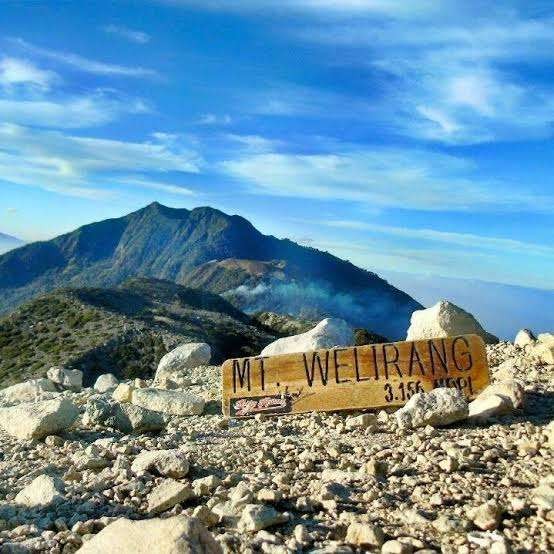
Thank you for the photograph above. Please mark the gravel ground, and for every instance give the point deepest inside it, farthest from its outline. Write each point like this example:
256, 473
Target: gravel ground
320, 482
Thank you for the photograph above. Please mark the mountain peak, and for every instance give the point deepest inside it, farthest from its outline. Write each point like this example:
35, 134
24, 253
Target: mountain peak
171, 243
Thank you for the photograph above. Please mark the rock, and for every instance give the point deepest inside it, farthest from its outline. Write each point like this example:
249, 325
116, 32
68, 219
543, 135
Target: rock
365, 534
255, 517
506, 371
486, 539
449, 464
396, 547
33, 390
71, 379
363, 421
487, 516
438, 407
496, 400
167, 463
205, 485
177, 363
168, 493
126, 418
544, 348
105, 383
205, 515
326, 334
43, 490
174, 535
524, 338
123, 393
482, 409
168, 401
445, 319
375, 468
510, 389
543, 495
35, 420
451, 524
89, 458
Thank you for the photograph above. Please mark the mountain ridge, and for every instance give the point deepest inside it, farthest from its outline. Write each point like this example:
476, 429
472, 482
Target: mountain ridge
172, 243
9, 242
124, 330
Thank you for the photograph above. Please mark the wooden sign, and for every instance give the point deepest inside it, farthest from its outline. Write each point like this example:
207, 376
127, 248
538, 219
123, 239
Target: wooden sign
371, 376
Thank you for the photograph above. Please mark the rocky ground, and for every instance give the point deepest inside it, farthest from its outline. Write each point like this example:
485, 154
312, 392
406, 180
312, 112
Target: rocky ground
321, 483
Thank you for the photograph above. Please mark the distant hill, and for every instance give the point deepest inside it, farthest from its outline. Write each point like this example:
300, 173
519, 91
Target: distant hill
7, 242
124, 330
205, 247
501, 309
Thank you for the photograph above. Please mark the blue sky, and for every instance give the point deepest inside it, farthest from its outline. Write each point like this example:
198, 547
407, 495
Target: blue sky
404, 136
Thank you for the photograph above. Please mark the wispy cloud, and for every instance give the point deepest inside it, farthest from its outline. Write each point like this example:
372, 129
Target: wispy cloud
344, 8
384, 177
451, 77
214, 119
254, 143
15, 72
141, 182
84, 64
469, 240
132, 35
466, 263
88, 167
71, 112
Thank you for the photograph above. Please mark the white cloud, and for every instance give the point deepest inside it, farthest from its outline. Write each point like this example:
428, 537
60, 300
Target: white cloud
86, 65
469, 240
254, 143
213, 119
132, 35
335, 8
384, 177
141, 182
17, 72
85, 166
68, 112
453, 76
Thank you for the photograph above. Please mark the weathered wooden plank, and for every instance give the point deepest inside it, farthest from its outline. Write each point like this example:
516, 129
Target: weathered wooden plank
371, 376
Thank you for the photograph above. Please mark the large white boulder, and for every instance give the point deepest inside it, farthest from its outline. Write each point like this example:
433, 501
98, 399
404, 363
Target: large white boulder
168, 463
28, 391
327, 333
175, 365
524, 338
173, 535
105, 383
71, 379
34, 420
544, 348
438, 407
174, 402
445, 319
42, 491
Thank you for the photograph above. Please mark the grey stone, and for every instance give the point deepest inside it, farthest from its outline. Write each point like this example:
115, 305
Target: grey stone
438, 407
